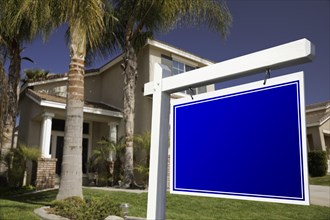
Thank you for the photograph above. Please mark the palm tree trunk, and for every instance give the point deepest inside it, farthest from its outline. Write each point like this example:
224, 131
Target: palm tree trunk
71, 176
3, 93
13, 90
130, 75
3, 103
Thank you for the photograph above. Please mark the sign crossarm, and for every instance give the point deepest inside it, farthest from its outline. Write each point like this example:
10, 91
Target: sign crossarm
285, 55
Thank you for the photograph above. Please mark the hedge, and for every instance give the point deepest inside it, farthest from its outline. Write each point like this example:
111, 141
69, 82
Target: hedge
317, 163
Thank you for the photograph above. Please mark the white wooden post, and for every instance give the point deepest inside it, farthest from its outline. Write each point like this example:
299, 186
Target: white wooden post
159, 146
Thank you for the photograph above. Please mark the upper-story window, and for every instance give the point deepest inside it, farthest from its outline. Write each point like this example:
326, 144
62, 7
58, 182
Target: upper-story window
179, 67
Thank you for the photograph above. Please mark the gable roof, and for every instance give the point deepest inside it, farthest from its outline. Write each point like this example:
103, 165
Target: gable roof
52, 101
318, 106
90, 72
317, 114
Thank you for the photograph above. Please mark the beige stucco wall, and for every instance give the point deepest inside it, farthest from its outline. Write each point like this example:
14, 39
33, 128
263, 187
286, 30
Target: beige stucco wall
318, 137
112, 84
57, 88
93, 87
99, 130
143, 104
29, 112
316, 142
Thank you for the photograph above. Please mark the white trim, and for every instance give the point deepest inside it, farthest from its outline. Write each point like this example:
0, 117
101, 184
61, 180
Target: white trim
96, 111
95, 73
184, 61
112, 106
179, 52
106, 66
317, 109
111, 63
326, 132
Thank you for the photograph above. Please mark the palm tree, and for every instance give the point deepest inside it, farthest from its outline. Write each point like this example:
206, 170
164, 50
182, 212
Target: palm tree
107, 156
3, 91
35, 74
140, 20
20, 22
85, 27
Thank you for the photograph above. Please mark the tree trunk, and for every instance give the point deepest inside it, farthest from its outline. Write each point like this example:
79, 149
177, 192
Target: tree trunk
130, 75
71, 175
3, 93
3, 103
13, 90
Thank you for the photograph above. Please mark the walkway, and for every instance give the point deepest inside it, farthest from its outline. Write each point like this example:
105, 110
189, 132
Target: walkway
320, 195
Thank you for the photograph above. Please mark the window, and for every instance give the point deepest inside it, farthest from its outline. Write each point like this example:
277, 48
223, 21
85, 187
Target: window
179, 67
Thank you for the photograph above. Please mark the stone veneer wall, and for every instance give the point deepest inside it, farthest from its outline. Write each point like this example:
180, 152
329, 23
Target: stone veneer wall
45, 177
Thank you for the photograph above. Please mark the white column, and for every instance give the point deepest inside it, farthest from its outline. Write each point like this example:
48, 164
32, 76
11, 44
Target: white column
46, 130
113, 131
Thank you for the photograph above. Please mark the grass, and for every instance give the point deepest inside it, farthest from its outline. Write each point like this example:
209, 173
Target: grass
16, 206
323, 181
178, 207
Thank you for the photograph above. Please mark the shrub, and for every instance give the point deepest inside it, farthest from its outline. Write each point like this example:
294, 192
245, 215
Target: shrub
71, 208
79, 209
317, 163
15, 159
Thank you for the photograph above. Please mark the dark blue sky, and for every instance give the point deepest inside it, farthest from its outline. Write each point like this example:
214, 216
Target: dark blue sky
257, 25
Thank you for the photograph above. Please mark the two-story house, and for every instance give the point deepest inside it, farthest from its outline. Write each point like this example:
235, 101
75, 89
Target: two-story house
42, 103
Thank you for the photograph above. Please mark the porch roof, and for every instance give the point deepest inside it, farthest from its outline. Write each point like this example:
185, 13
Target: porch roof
59, 102
317, 119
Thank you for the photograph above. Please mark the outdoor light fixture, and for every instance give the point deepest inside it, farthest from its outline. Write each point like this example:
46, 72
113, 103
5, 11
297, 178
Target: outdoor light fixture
124, 207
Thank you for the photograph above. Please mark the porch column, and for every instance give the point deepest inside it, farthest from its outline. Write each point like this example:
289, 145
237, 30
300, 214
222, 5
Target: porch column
113, 131
46, 129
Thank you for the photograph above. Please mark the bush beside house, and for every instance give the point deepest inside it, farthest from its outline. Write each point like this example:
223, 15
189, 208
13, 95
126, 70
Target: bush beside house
317, 163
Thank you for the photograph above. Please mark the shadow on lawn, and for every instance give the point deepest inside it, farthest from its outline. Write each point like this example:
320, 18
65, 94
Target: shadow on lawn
41, 198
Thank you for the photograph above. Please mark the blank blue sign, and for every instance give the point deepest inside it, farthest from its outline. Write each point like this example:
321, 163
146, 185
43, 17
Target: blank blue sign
246, 142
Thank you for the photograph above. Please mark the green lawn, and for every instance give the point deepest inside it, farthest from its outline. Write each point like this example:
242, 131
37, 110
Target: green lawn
178, 207
323, 181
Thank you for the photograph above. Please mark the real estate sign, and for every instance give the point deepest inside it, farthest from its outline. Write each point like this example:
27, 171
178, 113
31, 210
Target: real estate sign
245, 142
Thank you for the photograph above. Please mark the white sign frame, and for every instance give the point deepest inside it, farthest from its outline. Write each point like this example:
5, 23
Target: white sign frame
294, 78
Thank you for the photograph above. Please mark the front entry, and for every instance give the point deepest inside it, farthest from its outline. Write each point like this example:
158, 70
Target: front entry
57, 152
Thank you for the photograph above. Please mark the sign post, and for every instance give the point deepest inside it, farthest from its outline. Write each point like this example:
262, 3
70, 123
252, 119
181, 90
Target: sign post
285, 55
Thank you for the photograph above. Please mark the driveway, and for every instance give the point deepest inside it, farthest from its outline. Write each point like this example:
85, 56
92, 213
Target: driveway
320, 195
